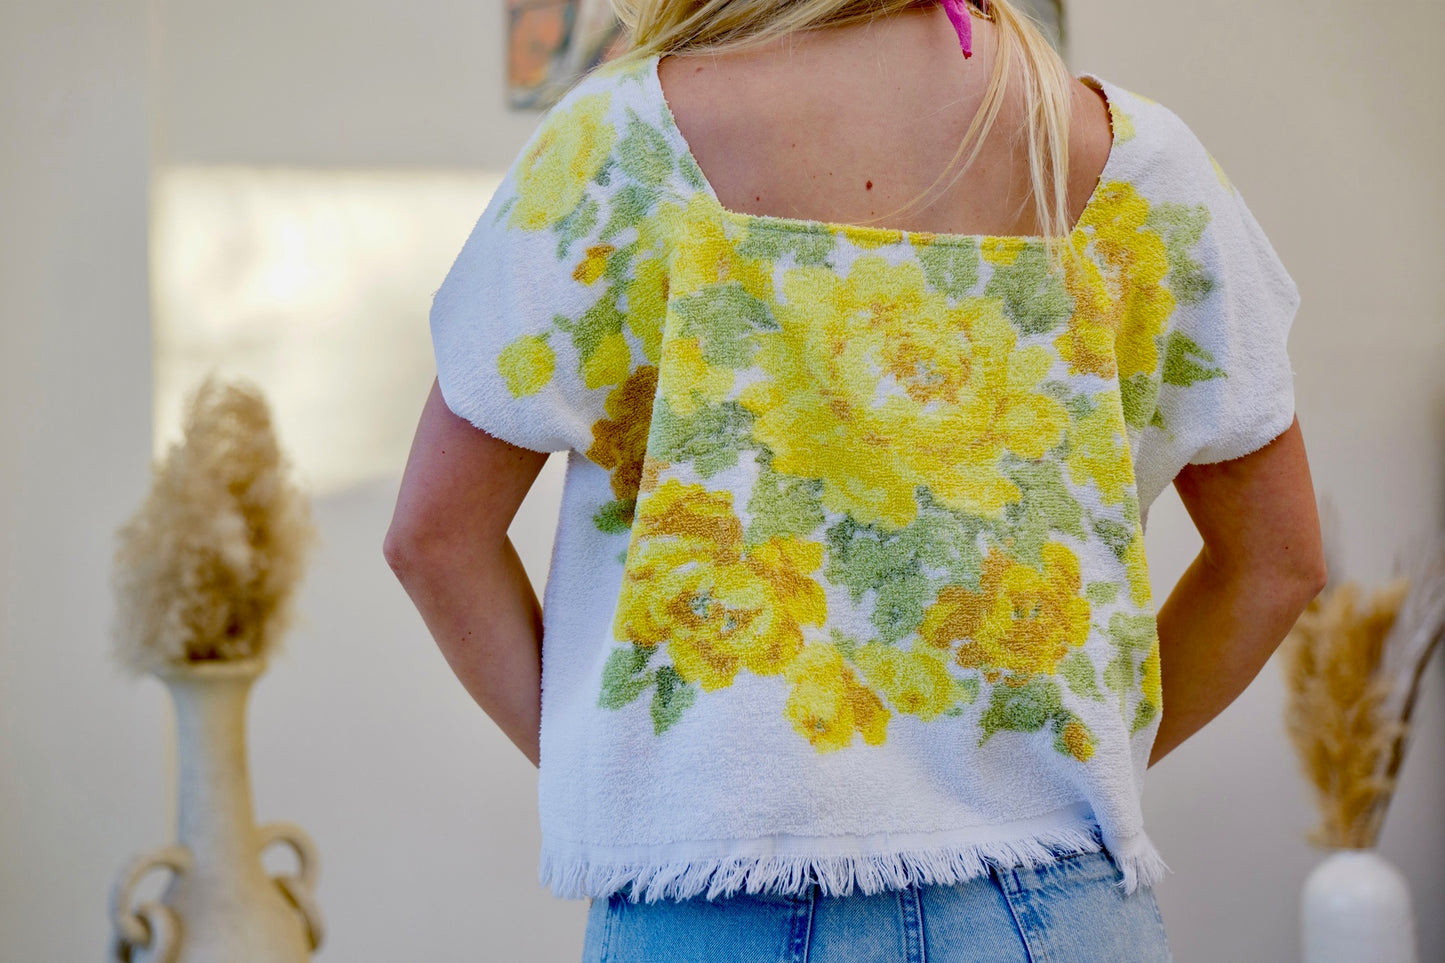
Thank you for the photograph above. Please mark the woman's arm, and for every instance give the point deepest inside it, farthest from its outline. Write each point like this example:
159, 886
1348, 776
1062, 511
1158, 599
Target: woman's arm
1262, 562
448, 545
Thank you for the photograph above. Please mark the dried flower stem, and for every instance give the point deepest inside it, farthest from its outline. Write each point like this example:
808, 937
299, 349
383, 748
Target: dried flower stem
207, 567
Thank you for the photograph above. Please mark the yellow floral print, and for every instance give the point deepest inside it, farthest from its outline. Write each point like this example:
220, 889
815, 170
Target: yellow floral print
690, 585
1076, 737
619, 441
555, 169
1137, 569
915, 682
1120, 301
828, 704
876, 384
609, 363
1152, 685
1099, 451
527, 365
691, 382
591, 267
1021, 621
648, 287
711, 257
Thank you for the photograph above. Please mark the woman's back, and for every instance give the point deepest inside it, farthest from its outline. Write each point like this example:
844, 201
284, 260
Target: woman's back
849, 124
849, 592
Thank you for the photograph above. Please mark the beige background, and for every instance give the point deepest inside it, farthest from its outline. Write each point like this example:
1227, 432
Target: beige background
1326, 115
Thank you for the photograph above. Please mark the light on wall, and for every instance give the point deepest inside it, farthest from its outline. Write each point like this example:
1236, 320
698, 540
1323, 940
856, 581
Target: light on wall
315, 285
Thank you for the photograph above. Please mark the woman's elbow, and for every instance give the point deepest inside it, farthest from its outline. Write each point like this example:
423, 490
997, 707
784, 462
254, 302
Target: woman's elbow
412, 548
400, 549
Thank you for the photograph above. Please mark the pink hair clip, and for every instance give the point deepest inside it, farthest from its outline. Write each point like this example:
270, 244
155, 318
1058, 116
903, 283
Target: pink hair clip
958, 16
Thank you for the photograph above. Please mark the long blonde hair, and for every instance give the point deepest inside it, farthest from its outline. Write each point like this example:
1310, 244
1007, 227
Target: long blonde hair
664, 27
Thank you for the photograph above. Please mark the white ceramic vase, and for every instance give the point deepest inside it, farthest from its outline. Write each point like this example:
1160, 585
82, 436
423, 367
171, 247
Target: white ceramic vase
1355, 908
220, 906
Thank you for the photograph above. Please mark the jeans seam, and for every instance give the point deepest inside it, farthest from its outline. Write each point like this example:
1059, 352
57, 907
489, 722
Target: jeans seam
609, 915
912, 908
802, 931
1014, 911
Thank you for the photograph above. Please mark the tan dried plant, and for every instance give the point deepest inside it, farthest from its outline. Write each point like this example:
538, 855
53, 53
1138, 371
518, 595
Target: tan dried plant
207, 568
1352, 668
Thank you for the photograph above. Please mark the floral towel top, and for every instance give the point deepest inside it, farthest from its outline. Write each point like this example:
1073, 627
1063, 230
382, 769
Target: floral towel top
849, 584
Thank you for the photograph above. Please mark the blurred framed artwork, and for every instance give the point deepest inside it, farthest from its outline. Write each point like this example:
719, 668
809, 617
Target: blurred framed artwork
550, 43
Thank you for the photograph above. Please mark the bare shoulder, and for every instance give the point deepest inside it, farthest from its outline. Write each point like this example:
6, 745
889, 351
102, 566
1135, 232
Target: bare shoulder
1091, 139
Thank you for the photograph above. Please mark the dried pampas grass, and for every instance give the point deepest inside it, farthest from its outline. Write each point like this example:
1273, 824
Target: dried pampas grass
1353, 669
207, 567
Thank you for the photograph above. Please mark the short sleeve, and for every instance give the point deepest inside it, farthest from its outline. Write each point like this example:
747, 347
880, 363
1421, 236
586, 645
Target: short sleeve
528, 328
1227, 384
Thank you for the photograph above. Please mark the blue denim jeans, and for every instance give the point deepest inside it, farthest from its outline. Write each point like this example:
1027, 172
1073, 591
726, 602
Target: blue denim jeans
1071, 911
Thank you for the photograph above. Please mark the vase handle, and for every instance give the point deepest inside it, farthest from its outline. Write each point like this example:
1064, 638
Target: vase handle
299, 889
150, 926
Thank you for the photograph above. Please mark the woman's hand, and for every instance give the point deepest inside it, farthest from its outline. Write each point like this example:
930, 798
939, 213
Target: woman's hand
1262, 563
448, 545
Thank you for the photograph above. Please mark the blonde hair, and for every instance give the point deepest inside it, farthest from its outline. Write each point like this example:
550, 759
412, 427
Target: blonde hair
682, 26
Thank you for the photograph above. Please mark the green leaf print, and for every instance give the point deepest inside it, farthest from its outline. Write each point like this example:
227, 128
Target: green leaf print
1144, 714
951, 268
626, 209
1139, 395
784, 507
899, 566
671, 699
1047, 505
624, 677
1185, 362
1025, 708
576, 225
710, 439
1102, 593
616, 516
1030, 707
644, 153
596, 323
723, 318
809, 245
1114, 534
1033, 296
1078, 671
1182, 226
1133, 637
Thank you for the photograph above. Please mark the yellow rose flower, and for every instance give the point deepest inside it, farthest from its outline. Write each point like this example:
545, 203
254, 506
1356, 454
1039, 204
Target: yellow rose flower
915, 682
689, 382
711, 257
1121, 309
561, 160
874, 384
527, 365
827, 703
690, 585
619, 441
609, 363
1021, 621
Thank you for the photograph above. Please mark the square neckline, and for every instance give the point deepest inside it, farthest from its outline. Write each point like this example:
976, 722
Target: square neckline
873, 236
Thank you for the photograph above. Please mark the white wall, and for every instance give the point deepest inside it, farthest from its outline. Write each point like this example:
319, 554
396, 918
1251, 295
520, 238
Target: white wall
81, 757
425, 814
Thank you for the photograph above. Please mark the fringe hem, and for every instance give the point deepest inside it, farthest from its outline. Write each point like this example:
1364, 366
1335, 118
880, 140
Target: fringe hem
572, 877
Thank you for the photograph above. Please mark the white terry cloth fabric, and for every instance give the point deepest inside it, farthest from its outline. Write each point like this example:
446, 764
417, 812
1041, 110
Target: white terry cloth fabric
849, 584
